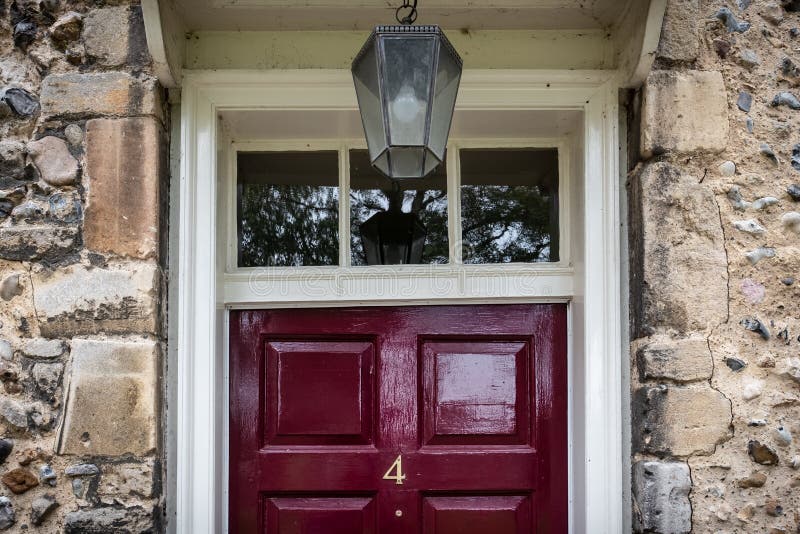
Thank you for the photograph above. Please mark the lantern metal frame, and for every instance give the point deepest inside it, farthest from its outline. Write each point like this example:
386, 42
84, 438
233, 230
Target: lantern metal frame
376, 41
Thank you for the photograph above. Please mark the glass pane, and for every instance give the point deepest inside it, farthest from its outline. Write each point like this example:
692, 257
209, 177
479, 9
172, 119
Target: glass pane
372, 193
407, 65
288, 208
447, 79
509, 205
365, 77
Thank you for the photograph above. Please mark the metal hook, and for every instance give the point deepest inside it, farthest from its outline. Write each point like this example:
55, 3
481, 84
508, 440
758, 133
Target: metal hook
411, 17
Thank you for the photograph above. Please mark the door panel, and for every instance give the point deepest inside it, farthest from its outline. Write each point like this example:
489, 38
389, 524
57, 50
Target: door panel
304, 515
507, 514
472, 399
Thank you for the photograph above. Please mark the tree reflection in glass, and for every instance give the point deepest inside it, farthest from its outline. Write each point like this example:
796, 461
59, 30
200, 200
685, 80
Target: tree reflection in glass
371, 193
288, 209
509, 205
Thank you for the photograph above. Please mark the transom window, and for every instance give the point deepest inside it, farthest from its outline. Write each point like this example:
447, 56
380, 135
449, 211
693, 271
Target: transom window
318, 206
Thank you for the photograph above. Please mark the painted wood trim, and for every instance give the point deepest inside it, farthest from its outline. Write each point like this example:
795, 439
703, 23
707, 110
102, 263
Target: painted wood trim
596, 463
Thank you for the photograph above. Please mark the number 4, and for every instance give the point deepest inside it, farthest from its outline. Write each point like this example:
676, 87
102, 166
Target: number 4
397, 467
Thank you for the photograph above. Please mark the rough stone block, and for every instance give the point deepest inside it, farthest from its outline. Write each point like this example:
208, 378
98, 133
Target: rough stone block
108, 93
661, 497
680, 36
679, 272
112, 407
102, 29
38, 242
46, 349
124, 164
684, 112
78, 300
108, 520
680, 421
683, 360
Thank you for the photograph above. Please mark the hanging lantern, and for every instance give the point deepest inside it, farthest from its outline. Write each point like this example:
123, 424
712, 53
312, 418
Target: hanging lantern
406, 80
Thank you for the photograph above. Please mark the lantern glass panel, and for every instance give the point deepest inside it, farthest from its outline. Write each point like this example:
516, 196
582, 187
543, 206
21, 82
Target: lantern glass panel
448, 76
407, 66
365, 76
371, 193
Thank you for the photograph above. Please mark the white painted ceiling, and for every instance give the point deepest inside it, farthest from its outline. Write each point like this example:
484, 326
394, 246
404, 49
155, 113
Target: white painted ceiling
209, 15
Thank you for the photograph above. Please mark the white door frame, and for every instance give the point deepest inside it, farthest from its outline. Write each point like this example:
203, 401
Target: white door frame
597, 463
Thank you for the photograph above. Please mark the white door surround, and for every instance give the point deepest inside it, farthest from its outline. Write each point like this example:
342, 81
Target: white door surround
198, 312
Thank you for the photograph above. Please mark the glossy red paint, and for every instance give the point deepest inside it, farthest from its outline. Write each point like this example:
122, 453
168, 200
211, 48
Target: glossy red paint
472, 398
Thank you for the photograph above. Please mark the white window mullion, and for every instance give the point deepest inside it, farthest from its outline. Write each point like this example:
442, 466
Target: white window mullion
344, 206
454, 204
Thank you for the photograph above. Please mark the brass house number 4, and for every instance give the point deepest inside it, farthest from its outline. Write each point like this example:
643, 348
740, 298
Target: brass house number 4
395, 471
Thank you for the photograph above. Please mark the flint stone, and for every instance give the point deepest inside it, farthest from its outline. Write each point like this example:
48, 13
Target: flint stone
787, 99
6, 352
749, 58
755, 256
108, 93
684, 112
78, 300
112, 399
10, 287
20, 101
20, 480
661, 497
6, 446
82, 470
791, 221
108, 520
53, 160
680, 421
727, 17
24, 34
761, 453
7, 515
73, 134
47, 376
750, 226
44, 348
46, 474
37, 242
683, 282
67, 28
14, 413
745, 101
682, 360
794, 192
41, 507
12, 161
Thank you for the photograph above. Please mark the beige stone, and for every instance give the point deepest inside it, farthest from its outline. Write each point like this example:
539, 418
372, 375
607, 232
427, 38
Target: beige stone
112, 402
683, 360
124, 164
78, 300
680, 278
53, 161
680, 39
108, 93
680, 421
37, 242
101, 31
684, 112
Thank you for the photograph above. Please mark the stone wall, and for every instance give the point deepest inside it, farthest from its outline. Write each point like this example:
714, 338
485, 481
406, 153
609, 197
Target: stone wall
82, 195
715, 263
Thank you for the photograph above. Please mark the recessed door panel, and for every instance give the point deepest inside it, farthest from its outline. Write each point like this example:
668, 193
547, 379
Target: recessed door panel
475, 392
433, 419
318, 392
320, 515
466, 514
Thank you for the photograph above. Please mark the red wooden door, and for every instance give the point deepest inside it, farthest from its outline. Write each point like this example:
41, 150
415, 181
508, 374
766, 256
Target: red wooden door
470, 399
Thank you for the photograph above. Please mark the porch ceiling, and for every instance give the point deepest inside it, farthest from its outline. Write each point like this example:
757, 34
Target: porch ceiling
209, 15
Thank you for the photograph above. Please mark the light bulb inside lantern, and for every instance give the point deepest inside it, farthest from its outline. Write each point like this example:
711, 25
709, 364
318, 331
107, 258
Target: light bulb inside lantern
406, 106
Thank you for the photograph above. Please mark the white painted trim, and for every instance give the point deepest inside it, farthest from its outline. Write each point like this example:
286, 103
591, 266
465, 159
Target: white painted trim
379, 285
596, 467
